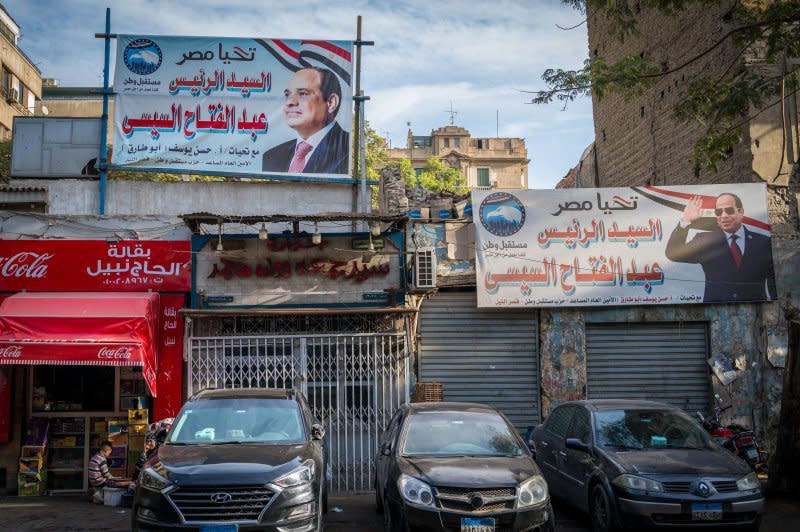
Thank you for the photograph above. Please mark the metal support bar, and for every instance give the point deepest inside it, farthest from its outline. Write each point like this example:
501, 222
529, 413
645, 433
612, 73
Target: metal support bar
102, 164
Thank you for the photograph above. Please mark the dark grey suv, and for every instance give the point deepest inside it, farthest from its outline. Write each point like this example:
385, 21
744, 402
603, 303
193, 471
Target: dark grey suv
245, 459
644, 464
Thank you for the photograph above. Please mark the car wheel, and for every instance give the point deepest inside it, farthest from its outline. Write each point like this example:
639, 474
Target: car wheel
393, 521
378, 501
321, 510
600, 511
134, 524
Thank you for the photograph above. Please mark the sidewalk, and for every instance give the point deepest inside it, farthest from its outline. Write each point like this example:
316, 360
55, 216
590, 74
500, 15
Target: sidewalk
348, 513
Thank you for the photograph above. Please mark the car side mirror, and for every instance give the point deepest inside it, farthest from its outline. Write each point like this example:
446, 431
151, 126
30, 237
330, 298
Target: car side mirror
576, 445
386, 448
317, 431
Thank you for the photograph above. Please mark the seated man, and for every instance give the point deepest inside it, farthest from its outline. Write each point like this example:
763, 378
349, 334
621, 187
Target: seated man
99, 475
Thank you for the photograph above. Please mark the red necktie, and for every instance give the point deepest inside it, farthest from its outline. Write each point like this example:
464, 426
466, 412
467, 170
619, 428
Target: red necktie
736, 252
299, 159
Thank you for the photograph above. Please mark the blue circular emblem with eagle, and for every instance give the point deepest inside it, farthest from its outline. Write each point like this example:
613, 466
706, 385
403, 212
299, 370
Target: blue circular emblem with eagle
142, 57
502, 214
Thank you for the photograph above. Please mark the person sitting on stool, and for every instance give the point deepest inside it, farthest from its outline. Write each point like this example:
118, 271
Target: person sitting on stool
99, 475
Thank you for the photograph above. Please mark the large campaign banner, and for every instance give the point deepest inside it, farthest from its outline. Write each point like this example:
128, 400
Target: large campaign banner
623, 246
233, 106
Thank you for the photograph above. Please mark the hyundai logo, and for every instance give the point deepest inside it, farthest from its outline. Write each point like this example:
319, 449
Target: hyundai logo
476, 501
221, 497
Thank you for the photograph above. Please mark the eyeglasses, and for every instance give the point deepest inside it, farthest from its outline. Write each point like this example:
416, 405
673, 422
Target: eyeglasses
726, 210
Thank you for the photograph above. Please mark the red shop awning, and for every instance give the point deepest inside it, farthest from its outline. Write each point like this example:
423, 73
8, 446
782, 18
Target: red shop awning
90, 328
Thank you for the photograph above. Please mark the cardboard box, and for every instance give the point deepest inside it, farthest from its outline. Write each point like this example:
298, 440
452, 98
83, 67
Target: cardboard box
138, 416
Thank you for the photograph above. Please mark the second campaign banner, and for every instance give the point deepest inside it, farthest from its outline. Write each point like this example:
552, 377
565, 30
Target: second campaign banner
233, 106
623, 246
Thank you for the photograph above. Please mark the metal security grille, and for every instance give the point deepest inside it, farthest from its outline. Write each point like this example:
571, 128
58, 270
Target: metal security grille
657, 361
481, 355
353, 382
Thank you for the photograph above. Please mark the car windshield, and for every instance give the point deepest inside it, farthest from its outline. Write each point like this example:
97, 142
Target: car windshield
648, 429
242, 420
459, 434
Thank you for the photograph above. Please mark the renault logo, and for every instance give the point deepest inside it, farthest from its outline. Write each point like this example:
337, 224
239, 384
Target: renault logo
703, 489
221, 497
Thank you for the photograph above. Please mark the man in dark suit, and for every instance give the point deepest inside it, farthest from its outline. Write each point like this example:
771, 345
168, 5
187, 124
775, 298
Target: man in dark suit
312, 100
737, 262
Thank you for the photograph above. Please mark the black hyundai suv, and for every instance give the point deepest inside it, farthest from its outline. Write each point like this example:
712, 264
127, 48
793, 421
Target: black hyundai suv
242, 459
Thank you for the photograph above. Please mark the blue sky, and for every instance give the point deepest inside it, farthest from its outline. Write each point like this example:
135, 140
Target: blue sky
476, 54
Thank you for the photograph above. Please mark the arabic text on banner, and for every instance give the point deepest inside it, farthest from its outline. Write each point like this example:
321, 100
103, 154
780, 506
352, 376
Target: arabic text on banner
215, 105
622, 246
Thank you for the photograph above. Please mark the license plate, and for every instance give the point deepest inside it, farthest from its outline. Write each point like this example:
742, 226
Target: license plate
477, 524
706, 512
219, 528
752, 453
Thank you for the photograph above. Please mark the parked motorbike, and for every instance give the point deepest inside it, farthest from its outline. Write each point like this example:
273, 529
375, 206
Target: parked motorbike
739, 440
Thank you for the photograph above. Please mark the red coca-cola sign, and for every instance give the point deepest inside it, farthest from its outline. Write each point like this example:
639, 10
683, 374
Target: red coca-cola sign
115, 353
25, 264
95, 265
10, 351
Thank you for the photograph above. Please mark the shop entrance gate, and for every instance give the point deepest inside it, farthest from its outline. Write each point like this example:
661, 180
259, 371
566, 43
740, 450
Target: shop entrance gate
353, 382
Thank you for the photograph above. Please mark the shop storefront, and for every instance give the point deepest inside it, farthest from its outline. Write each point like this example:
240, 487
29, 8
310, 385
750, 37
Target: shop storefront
321, 314
92, 331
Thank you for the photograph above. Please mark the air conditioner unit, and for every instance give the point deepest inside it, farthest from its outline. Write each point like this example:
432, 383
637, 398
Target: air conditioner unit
12, 94
425, 268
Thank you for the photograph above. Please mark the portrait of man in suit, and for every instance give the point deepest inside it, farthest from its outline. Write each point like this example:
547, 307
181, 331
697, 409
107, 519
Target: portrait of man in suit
737, 261
311, 101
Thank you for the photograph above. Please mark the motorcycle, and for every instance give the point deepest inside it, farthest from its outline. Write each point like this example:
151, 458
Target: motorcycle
156, 435
737, 439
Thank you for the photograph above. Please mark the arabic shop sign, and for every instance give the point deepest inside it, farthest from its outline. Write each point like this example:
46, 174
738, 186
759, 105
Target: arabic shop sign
294, 270
82, 265
623, 246
230, 105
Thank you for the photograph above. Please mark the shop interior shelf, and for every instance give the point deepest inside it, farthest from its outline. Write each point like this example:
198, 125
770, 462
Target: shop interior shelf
64, 469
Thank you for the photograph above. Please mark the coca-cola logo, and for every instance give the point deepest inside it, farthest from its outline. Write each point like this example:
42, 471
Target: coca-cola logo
11, 351
115, 353
25, 264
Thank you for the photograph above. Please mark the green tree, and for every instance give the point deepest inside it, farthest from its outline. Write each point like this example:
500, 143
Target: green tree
438, 176
721, 103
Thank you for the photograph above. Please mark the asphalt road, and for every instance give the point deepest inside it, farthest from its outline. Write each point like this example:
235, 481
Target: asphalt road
348, 514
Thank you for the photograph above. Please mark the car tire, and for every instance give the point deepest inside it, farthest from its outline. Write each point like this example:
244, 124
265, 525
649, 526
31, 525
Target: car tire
321, 509
601, 511
393, 521
378, 501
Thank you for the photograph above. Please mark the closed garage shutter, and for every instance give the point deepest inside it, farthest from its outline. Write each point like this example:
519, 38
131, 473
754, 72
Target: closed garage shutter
660, 362
481, 356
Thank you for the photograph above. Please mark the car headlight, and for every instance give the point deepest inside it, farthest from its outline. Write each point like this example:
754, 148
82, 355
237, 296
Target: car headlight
301, 475
750, 482
151, 480
414, 491
632, 482
531, 492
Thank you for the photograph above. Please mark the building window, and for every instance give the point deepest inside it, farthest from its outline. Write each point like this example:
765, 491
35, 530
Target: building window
418, 171
457, 142
483, 144
447, 142
483, 177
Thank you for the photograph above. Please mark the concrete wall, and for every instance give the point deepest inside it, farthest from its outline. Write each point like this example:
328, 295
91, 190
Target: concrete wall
141, 198
639, 141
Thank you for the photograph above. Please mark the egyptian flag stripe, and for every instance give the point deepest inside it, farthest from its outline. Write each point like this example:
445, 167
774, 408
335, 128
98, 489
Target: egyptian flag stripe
281, 52
338, 70
709, 202
341, 52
